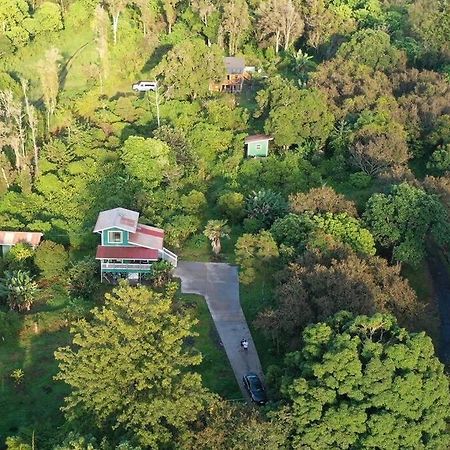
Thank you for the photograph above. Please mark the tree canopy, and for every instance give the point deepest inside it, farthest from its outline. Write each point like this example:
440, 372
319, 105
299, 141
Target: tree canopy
364, 382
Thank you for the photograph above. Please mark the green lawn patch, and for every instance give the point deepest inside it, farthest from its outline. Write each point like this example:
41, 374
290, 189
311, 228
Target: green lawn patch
215, 368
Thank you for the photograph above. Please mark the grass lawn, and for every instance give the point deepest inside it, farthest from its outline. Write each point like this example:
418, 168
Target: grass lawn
255, 298
34, 403
215, 368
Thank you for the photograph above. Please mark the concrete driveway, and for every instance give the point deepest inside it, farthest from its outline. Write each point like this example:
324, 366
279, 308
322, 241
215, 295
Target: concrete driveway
219, 284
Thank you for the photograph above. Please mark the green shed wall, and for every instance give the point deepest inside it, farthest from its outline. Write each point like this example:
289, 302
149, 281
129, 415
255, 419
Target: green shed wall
258, 148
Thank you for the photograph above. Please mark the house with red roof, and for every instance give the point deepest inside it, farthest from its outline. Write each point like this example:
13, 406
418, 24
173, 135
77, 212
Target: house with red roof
128, 248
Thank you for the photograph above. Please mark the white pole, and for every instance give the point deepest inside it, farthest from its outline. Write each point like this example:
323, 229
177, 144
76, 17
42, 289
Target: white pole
157, 106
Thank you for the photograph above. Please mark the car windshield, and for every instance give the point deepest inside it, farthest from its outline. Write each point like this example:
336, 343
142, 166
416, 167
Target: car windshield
255, 384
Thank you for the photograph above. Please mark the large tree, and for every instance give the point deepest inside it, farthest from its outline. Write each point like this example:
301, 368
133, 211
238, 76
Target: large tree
321, 283
235, 23
294, 116
189, 68
280, 22
364, 383
321, 200
404, 219
128, 368
148, 160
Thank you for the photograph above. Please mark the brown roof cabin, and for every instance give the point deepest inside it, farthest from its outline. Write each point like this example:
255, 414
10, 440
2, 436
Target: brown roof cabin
10, 238
236, 74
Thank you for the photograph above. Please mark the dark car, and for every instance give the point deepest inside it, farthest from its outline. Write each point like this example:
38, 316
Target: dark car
255, 388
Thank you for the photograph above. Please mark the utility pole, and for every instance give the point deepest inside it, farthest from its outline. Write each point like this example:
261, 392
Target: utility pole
157, 104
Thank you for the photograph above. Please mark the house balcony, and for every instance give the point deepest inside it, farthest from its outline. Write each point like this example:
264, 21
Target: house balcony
125, 267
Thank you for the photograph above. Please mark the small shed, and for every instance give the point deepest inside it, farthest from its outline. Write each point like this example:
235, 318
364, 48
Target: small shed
257, 145
11, 238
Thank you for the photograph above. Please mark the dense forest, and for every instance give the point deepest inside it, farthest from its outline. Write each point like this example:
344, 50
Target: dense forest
341, 234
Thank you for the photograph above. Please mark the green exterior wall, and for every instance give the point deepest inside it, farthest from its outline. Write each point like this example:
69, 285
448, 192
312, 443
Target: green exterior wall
124, 237
258, 148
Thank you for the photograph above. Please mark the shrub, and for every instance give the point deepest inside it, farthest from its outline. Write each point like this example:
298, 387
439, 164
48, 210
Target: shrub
51, 259
82, 277
232, 205
9, 325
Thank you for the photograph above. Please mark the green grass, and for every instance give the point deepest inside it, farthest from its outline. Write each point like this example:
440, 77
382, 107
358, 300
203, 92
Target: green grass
254, 299
215, 368
34, 404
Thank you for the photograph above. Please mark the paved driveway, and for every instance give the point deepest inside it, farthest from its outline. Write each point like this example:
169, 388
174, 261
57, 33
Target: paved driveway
219, 284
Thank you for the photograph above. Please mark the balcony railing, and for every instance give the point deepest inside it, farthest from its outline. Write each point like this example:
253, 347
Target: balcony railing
168, 256
124, 266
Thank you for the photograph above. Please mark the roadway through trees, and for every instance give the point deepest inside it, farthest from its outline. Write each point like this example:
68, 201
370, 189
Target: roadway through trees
219, 284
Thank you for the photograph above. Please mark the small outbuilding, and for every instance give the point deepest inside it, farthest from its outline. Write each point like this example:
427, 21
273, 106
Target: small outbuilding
10, 238
257, 145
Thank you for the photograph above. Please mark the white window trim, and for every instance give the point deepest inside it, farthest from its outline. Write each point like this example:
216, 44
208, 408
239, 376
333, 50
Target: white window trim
115, 242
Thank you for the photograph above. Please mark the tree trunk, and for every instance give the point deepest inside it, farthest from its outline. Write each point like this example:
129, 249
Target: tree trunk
216, 246
277, 42
115, 26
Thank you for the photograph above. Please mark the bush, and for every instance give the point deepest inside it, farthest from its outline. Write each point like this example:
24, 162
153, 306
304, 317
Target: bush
20, 257
232, 205
51, 259
360, 180
82, 277
160, 273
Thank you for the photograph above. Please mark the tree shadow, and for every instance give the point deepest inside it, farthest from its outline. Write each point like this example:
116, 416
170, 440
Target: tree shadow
156, 57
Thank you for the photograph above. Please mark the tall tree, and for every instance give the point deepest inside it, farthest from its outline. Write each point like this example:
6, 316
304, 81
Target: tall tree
170, 11
48, 69
129, 368
204, 8
12, 128
101, 40
403, 219
115, 8
235, 23
280, 21
363, 382
189, 67
321, 283
32, 124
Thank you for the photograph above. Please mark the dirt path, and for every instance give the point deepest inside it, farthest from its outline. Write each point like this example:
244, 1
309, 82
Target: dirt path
219, 284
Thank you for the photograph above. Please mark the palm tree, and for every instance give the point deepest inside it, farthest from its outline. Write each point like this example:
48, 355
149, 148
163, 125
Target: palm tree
214, 230
19, 289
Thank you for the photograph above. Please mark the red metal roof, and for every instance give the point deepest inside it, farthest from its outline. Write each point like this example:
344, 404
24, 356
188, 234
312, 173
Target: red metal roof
118, 252
14, 237
151, 231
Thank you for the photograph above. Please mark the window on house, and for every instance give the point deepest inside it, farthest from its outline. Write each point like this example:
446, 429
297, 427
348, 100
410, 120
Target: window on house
258, 146
115, 237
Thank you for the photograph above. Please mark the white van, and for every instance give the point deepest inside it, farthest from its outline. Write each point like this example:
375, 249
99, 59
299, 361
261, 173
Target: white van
144, 86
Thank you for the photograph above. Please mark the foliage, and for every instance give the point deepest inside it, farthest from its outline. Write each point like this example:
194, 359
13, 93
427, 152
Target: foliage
404, 218
138, 383
51, 259
148, 160
214, 231
265, 206
238, 427
321, 283
161, 273
82, 277
373, 49
255, 253
18, 289
189, 67
231, 204
363, 382
9, 325
294, 116
20, 256
321, 200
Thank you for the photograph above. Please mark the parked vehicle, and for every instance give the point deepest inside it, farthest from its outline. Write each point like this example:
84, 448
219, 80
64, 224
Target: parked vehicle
144, 86
255, 388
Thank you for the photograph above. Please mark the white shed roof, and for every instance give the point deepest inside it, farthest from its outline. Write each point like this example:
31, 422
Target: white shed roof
121, 218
